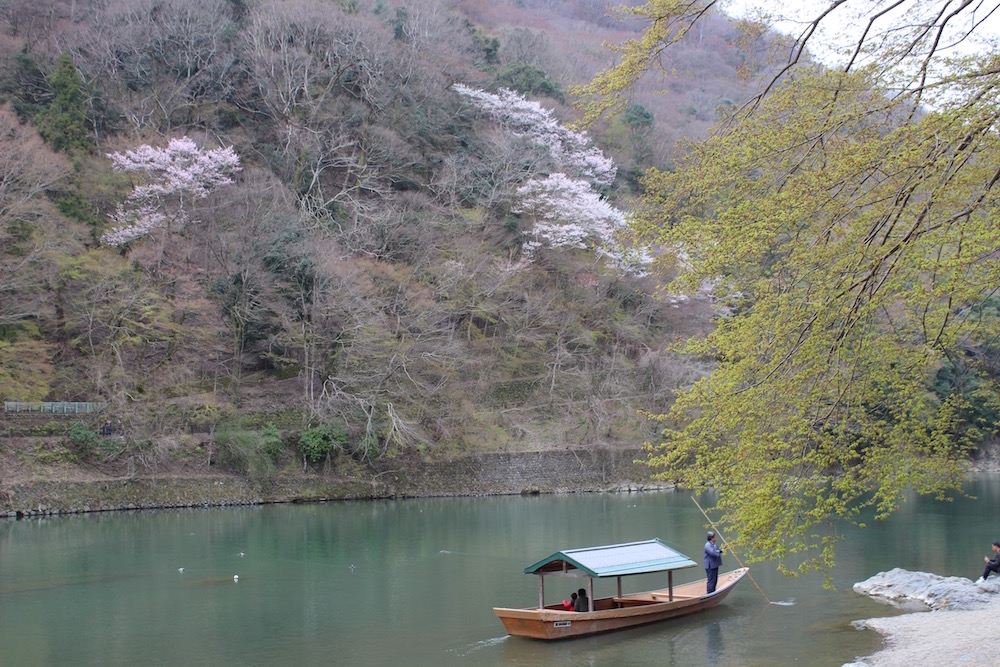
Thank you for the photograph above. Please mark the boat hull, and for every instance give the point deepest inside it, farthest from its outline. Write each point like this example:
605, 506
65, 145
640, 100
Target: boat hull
616, 613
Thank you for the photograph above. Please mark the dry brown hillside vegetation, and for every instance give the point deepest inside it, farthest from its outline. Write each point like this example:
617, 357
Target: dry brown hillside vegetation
359, 287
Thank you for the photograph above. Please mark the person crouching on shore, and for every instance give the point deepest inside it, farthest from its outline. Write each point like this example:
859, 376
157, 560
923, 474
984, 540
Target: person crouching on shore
992, 564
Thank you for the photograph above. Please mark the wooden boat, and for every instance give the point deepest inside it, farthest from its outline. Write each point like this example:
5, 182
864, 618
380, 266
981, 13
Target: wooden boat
620, 611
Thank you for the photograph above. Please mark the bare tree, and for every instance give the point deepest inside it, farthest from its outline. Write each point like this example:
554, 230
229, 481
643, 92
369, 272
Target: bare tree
160, 61
27, 170
245, 228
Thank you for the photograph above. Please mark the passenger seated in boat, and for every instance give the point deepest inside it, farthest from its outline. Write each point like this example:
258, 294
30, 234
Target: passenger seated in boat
582, 602
570, 604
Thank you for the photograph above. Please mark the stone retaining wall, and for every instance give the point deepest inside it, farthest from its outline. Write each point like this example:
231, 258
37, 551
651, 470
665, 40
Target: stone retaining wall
538, 472
481, 474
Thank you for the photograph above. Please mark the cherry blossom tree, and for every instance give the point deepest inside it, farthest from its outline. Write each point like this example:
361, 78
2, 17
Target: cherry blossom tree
173, 177
565, 208
524, 117
567, 213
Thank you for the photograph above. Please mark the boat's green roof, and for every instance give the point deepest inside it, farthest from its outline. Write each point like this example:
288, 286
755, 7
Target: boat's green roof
614, 560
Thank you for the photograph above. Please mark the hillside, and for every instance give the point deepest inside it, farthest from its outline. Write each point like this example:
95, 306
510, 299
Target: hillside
364, 278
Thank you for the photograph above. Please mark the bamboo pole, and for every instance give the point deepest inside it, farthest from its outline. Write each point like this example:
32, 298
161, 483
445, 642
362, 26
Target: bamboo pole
728, 548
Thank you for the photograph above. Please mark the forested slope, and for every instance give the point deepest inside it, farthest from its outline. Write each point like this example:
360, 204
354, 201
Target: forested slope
364, 278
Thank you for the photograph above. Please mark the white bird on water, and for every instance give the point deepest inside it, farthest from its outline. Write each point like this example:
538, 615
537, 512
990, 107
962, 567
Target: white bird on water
180, 569
236, 577
241, 554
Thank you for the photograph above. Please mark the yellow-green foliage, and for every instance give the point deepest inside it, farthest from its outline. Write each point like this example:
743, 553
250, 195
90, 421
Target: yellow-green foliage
55, 455
207, 415
853, 244
669, 21
252, 452
25, 370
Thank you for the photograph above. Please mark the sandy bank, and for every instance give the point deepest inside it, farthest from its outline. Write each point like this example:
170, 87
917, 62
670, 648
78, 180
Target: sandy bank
958, 631
937, 638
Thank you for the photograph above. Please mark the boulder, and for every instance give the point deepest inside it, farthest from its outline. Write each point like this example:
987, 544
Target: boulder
902, 587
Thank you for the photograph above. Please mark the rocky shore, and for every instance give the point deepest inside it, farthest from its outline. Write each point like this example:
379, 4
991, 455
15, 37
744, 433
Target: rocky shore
954, 628
951, 617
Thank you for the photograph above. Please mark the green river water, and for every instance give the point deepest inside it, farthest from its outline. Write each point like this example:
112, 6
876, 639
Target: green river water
413, 582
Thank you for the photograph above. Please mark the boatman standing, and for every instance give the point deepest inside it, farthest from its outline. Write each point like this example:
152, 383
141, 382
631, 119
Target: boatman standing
713, 559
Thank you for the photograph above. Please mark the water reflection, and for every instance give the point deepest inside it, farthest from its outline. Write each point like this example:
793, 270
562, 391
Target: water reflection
713, 643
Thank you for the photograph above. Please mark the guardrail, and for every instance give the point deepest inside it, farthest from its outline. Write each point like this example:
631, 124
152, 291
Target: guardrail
54, 407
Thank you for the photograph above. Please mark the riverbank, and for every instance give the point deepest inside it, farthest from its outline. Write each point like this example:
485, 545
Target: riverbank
943, 636
953, 627
58, 488
936, 638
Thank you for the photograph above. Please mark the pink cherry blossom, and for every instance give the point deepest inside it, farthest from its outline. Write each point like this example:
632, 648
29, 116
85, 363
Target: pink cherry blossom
573, 150
565, 209
172, 175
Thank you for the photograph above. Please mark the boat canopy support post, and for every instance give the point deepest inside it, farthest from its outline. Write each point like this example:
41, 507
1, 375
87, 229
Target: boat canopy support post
670, 584
541, 591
